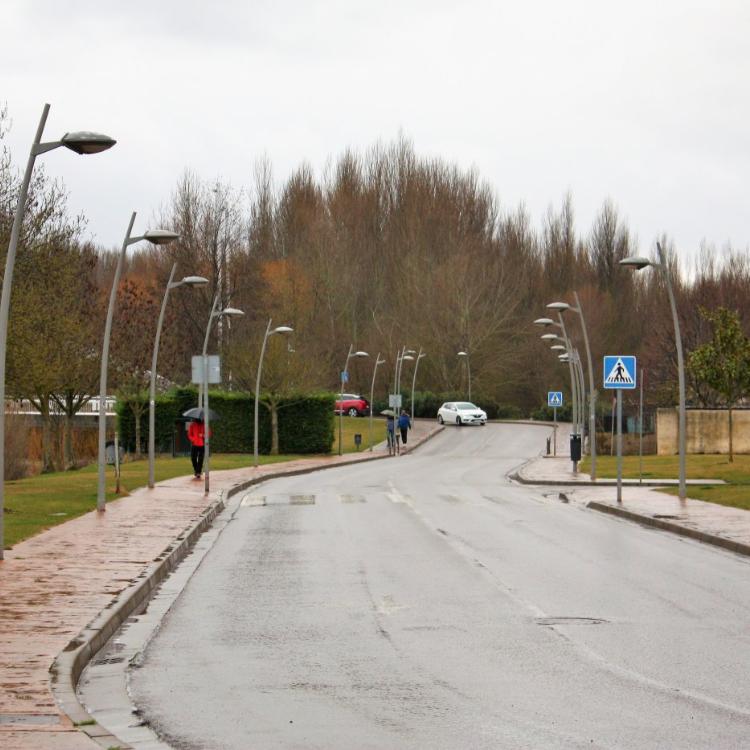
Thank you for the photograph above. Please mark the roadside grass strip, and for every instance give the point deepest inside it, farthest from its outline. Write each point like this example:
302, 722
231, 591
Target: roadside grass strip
735, 493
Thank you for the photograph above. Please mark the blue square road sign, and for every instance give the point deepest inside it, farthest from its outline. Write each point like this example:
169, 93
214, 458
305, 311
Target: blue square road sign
554, 399
620, 372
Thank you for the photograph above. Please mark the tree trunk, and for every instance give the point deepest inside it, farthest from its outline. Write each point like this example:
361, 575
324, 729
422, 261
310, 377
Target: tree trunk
274, 429
48, 463
69, 458
137, 419
731, 446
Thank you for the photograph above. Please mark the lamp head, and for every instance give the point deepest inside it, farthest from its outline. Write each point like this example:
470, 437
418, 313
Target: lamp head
559, 348
160, 236
231, 311
637, 262
559, 306
194, 281
408, 357
462, 354
544, 322
84, 142
360, 354
550, 337
283, 329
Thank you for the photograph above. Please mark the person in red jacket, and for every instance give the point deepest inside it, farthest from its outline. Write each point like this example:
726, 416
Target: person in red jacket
196, 436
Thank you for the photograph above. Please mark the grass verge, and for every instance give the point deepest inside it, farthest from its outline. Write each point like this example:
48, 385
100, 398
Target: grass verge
38, 503
736, 493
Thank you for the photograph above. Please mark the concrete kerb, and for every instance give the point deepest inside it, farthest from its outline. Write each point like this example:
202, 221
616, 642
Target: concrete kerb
675, 528
658, 523
68, 666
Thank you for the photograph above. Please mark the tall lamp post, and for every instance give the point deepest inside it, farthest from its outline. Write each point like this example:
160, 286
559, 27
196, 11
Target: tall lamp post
269, 332
81, 143
215, 315
191, 281
378, 361
155, 237
639, 262
468, 369
344, 377
546, 322
414, 379
561, 307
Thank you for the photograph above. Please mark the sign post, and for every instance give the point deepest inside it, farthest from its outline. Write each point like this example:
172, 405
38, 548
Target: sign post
554, 399
620, 374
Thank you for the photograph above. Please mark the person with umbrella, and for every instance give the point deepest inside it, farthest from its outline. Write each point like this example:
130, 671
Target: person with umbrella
390, 431
197, 437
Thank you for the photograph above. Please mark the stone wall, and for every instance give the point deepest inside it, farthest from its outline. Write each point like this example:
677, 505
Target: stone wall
707, 431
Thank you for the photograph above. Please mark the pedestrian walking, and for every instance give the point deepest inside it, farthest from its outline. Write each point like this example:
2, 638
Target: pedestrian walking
196, 436
390, 434
404, 425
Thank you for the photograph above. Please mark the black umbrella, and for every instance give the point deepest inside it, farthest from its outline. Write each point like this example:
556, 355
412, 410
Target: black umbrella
196, 414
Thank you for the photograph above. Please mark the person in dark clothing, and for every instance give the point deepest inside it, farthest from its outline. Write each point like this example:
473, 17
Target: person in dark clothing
196, 436
404, 425
390, 433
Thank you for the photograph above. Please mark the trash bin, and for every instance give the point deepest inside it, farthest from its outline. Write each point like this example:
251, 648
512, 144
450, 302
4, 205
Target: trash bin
575, 447
357, 439
549, 442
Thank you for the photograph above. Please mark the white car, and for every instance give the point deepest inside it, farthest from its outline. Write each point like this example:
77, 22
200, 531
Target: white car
461, 412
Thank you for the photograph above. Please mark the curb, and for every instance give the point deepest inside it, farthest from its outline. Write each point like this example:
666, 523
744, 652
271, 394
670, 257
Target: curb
675, 528
69, 664
612, 482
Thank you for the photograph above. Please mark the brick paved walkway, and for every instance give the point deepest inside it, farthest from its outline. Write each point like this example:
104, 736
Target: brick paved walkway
55, 583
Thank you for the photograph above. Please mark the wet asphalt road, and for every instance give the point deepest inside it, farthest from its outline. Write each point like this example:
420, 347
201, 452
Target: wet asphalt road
426, 602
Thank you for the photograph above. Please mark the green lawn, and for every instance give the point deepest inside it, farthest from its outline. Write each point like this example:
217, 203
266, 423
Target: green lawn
735, 493
37, 503
359, 425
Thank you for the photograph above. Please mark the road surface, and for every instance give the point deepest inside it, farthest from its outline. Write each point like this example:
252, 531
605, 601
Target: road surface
425, 601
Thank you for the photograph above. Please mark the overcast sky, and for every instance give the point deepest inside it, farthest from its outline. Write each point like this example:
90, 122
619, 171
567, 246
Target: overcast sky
644, 102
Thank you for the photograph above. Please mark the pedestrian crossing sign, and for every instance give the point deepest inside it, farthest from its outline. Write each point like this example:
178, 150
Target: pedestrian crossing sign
620, 372
554, 399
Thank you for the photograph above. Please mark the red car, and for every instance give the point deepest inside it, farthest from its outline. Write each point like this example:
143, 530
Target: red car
353, 405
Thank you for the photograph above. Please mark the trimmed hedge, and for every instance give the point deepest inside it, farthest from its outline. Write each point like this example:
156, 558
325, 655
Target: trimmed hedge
306, 422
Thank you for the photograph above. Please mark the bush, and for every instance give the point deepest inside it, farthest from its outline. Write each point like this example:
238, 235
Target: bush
305, 422
547, 414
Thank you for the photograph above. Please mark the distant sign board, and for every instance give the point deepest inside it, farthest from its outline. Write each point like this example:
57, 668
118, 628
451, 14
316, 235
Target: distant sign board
394, 400
554, 399
344, 376
214, 368
620, 372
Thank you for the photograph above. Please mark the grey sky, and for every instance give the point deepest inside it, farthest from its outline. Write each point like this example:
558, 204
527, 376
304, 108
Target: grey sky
642, 102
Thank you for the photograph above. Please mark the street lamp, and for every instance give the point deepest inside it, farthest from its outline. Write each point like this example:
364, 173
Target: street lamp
344, 378
546, 322
414, 380
468, 369
191, 281
378, 361
215, 315
155, 237
561, 307
269, 332
569, 359
639, 262
81, 142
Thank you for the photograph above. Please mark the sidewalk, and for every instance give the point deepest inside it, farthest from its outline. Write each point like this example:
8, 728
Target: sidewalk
708, 522
54, 585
